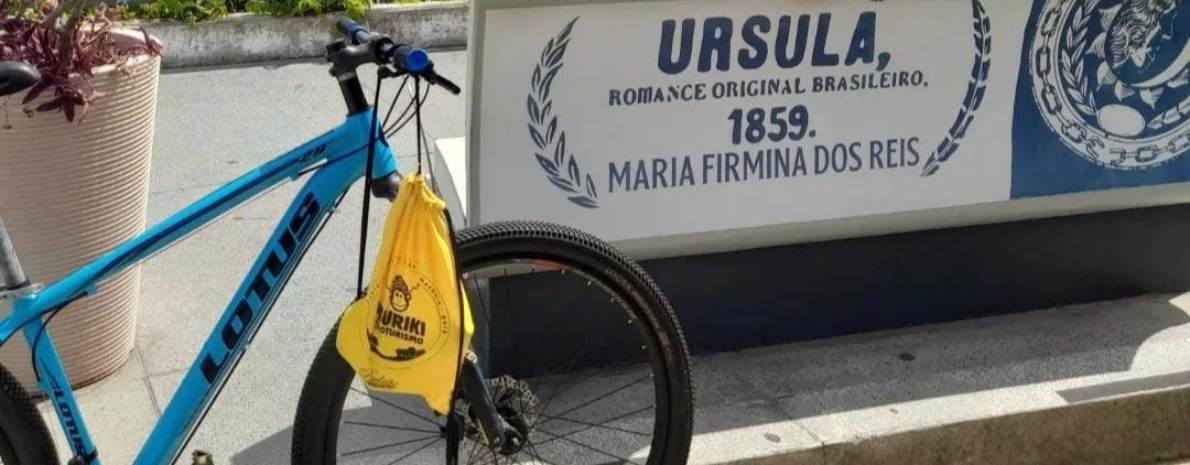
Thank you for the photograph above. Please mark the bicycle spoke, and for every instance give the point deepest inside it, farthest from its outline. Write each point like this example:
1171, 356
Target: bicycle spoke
512, 320
495, 459
419, 449
397, 428
593, 425
472, 456
507, 295
395, 444
597, 399
609, 420
482, 302
545, 407
609, 454
553, 293
535, 453
398, 407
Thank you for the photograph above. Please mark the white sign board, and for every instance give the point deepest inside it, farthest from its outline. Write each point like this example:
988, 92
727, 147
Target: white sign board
642, 119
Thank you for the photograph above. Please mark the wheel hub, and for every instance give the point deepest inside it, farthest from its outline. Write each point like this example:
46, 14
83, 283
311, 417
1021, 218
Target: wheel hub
517, 405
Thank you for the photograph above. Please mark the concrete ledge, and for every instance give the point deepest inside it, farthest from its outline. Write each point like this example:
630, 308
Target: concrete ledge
249, 38
1135, 429
1098, 384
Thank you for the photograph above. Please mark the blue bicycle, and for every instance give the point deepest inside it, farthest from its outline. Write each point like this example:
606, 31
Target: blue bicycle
577, 359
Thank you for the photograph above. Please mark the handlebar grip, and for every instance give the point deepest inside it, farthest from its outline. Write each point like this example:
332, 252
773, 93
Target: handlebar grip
355, 33
345, 26
411, 59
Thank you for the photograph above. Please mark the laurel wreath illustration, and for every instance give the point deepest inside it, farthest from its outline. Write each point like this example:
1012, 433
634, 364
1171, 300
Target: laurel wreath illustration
976, 88
1070, 62
560, 166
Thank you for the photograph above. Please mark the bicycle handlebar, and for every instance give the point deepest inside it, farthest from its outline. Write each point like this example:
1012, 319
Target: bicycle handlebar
355, 33
405, 58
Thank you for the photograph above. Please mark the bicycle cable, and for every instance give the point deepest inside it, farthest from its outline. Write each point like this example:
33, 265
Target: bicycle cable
393, 105
388, 129
41, 331
363, 228
402, 120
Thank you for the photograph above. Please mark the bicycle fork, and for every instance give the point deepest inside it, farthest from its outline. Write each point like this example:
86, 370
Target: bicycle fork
493, 428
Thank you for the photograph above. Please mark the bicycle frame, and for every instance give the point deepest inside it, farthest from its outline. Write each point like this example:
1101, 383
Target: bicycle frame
343, 153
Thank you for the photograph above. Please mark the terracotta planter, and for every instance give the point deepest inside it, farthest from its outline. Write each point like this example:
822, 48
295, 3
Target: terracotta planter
69, 193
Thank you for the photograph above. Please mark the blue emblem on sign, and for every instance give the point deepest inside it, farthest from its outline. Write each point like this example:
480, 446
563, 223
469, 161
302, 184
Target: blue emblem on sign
561, 167
1111, 78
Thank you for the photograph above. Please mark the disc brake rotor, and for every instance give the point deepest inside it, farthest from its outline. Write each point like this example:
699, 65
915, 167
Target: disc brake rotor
514, 401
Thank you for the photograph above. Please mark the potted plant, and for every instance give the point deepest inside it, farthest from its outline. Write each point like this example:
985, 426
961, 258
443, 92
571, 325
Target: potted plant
75, 151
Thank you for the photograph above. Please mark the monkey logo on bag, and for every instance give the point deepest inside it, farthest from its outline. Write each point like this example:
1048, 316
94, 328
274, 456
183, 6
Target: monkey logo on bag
410, 322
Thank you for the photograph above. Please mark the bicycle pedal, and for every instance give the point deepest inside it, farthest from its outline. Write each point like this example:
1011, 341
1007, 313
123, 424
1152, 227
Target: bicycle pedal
201, 458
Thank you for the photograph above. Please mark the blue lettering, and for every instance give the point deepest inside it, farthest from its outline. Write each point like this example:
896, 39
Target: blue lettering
785, 60
733, 159
687, 178
659, 173
618, 177
642, 176
261, 290
753, 27
863, 40
665, 60
716, 50
754, 166
781, 160
821, 58
716, 40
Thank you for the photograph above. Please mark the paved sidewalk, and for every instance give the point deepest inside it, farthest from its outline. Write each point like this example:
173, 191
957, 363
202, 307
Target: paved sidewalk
818, 402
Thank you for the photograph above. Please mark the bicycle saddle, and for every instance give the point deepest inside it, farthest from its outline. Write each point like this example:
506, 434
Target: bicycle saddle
16, 76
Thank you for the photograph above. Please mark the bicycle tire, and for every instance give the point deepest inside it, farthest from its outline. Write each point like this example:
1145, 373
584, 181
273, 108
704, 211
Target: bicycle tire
321, 403
24, 437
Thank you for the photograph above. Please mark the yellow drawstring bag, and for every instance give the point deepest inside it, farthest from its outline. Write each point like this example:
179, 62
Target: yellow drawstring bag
404, 335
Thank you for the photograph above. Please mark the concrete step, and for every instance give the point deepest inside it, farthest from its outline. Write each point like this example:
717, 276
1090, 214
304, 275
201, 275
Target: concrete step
1104, 383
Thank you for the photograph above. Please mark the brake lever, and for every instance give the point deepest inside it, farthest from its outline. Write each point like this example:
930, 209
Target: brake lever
430, 76
434, 78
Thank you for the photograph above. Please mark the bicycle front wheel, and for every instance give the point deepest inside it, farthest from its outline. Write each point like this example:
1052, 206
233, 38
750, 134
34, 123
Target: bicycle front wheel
582, 352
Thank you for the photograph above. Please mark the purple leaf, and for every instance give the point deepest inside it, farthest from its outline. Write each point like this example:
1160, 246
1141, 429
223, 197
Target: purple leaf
53, 104
36, 91
68, 108
83, 111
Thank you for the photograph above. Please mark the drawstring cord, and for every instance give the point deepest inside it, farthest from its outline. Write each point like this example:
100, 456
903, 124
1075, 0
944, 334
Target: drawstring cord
363, 225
